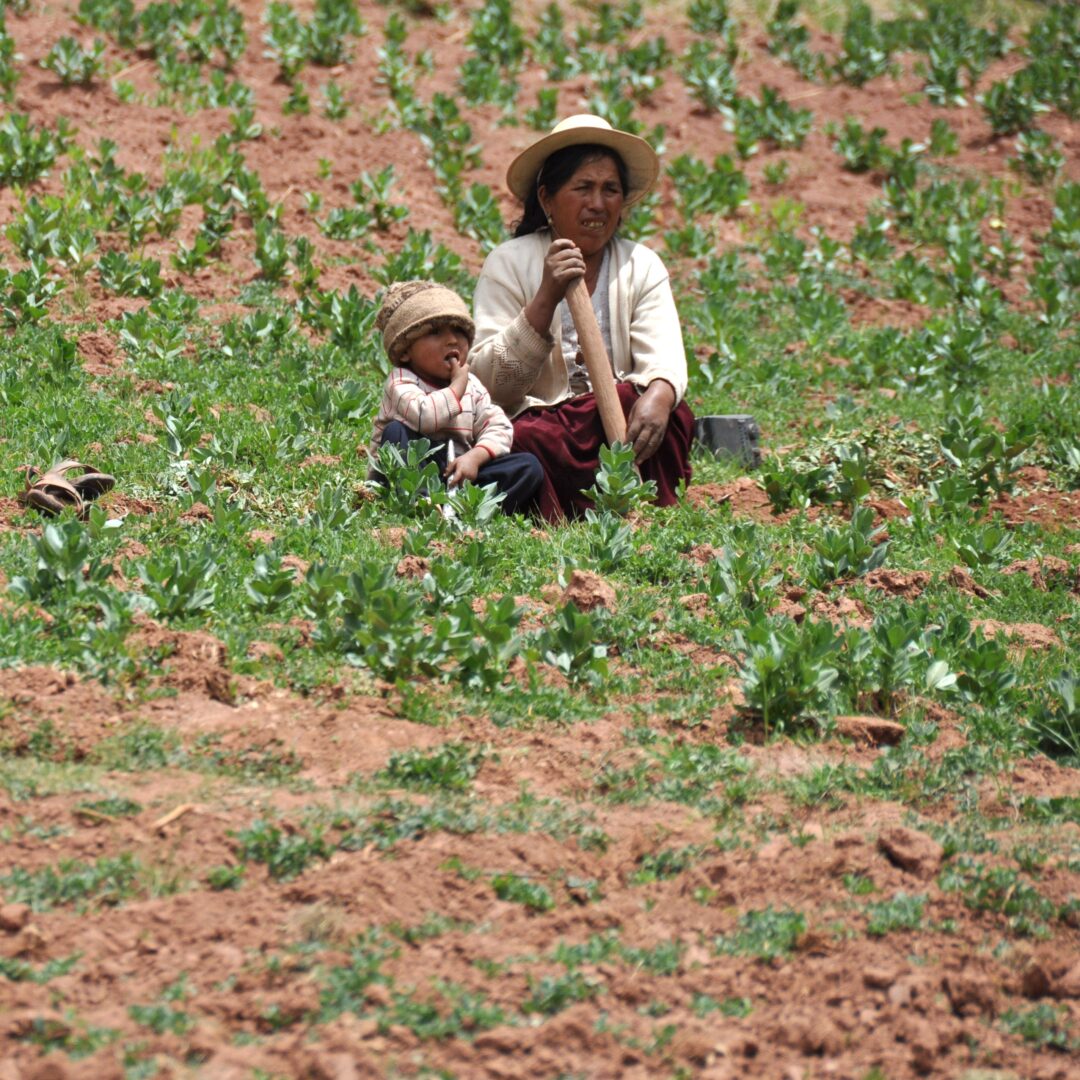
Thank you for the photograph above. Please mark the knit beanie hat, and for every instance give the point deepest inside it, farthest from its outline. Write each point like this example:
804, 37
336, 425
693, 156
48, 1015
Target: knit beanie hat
411, 309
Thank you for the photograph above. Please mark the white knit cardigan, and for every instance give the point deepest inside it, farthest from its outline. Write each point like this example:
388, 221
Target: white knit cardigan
523, 369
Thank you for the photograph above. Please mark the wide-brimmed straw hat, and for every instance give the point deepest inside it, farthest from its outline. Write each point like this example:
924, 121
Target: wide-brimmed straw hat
642, 164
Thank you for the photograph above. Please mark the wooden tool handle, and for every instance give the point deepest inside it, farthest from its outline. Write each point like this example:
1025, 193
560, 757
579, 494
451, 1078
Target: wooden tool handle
596, 362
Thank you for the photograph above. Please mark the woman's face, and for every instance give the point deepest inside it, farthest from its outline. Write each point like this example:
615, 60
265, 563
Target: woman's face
586, 209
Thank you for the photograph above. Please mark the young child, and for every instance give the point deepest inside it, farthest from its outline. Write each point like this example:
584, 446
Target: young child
426, 331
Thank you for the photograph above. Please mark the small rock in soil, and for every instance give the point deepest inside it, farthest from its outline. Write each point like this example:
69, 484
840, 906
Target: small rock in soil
870, 730
412, 566
970, 994
961, 579
1068, 986
1035, 982
1043, 572
13, 917
587, 591
912, 851
878, 978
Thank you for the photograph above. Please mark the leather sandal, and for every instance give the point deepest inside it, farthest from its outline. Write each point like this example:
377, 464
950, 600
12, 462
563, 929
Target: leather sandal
49, 492
52, 492
89, 483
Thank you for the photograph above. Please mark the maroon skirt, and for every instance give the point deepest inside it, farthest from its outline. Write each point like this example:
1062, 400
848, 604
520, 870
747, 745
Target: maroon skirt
567, 440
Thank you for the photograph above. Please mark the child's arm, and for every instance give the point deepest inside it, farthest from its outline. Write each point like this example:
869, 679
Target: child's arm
493, 435
492, 429
467, 466
429, 413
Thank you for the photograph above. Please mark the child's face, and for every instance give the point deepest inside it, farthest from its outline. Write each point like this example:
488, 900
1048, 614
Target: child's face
435, 356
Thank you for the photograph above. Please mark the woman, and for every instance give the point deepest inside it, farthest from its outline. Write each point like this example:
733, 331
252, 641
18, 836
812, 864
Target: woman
575, 183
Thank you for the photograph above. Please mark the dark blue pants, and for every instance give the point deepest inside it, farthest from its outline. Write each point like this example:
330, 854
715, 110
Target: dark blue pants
518, 475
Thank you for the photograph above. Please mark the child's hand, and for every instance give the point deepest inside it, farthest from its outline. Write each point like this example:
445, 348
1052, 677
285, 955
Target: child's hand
459, 380
466, 467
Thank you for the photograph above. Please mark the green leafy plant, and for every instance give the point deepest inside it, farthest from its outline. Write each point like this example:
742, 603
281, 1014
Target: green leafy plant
224, 877
412, 479
787, 670
573, 644
285, 854
1038, 156
451, 767
611, 539
106, 881
1011, 106
271, 584
618, 488
982, 545
717, 189
768, 119
790, 42
130, 277
902, 911
522, 890
849, 552
72, 64
9, 72
709, 76
374, 192
271, 250
861, 150
1055, 728
865, 49
1043, 1026
741, 573
63, 565
25, 152
179, 582
768, 934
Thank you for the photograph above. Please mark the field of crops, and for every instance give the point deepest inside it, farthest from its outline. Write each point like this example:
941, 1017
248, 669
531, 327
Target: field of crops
301, 780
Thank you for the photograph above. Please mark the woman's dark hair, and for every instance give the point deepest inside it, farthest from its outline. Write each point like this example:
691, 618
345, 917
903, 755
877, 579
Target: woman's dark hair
555, 172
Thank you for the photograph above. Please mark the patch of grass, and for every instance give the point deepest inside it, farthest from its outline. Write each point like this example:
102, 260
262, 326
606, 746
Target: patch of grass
521, 890
900, 912
450, 767
551, 994
111, 806
768, 934
72, 1037
1043, 1026
284, 853
704, 1004
664, 864
106, 881
1002, 890
458, 1014
17, 970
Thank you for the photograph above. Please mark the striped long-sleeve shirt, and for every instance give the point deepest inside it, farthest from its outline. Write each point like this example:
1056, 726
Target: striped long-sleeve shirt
474, 420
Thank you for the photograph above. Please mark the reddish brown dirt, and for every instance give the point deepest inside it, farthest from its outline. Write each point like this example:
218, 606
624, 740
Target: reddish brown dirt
913, 1002
896, 1010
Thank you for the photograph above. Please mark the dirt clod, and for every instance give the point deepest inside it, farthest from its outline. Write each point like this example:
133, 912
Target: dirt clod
13, 917
411, 566
588, 591
897, 583
961, 579
970, 994
1045, 572
870, 730
912, 851
1032, 636
1035, 981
